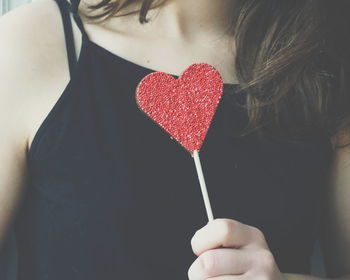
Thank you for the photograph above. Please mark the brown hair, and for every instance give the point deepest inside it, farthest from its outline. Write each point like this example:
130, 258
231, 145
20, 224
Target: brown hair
291, 60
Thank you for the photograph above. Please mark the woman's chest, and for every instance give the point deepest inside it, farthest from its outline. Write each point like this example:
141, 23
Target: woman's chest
128, 178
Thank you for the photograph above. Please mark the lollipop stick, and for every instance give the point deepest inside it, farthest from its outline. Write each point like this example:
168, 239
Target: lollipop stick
203, 186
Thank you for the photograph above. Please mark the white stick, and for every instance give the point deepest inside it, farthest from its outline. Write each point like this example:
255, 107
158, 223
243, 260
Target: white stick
203, 186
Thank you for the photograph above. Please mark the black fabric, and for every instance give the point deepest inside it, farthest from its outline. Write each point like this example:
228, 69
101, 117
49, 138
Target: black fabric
111, 196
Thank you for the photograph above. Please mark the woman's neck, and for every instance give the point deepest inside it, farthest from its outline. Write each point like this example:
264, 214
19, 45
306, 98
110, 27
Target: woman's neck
193, 18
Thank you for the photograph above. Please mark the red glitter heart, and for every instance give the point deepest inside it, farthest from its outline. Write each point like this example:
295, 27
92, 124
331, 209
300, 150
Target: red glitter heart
184, 107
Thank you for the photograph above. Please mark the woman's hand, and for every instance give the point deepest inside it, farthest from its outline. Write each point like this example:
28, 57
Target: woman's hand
244, 253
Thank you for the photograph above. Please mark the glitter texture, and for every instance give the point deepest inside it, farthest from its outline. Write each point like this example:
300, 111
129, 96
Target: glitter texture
183, 107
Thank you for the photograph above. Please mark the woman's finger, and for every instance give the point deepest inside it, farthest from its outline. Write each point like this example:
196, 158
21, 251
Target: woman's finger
226, 233
221, 261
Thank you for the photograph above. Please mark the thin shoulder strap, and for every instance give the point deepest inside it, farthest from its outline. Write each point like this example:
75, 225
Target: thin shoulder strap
74, 10
65, 8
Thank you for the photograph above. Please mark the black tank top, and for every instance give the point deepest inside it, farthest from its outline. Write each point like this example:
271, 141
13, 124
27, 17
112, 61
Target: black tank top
111, 196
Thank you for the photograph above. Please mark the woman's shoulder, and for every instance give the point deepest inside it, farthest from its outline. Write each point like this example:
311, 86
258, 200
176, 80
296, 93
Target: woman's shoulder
33, 63
28, 31
25, 43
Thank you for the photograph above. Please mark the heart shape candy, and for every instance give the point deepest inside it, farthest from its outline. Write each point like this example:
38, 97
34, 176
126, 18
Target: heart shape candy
183, 107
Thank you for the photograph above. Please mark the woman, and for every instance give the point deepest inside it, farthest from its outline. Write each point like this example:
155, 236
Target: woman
96, 190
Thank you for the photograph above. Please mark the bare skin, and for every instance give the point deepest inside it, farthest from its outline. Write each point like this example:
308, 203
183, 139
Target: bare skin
34, 72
